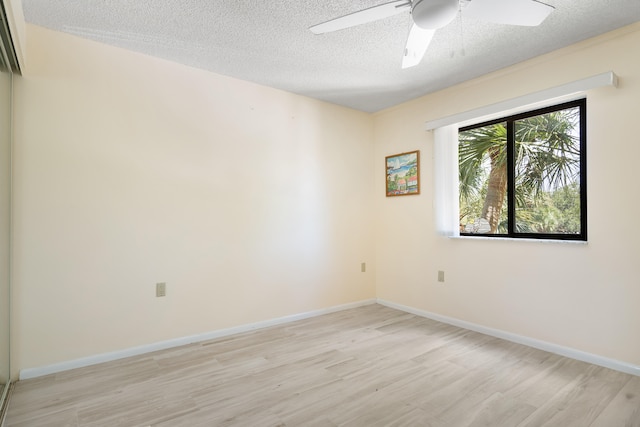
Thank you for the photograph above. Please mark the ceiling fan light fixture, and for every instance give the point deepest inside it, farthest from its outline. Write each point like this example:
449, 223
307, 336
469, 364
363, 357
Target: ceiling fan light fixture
430, 15
434, 14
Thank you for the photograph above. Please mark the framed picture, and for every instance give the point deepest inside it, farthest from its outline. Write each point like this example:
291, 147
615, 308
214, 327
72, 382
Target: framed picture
403, 174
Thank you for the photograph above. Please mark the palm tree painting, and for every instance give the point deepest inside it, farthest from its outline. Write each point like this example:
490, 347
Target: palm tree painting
546, 153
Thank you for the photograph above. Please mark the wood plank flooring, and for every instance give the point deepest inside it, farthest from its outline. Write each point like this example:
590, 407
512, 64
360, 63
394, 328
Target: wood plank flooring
369, 366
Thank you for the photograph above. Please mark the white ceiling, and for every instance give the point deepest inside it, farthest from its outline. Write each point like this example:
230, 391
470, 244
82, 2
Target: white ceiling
268, 42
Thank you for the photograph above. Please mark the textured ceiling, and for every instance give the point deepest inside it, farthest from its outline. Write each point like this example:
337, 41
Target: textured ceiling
268, 42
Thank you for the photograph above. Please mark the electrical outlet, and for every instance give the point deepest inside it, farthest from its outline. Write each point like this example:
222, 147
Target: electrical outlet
363, 267
161, 289
440, 276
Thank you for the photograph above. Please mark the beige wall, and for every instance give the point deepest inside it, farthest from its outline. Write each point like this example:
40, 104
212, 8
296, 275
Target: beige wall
250, 203
580, 296
253, 203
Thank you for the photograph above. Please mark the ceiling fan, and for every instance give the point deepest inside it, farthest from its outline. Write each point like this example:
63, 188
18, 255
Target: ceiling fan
429, 15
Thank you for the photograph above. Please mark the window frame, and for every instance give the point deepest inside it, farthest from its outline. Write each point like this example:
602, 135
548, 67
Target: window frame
581, 104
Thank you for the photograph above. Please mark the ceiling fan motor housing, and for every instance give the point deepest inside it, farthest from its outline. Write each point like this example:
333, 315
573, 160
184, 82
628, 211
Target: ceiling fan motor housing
433, 14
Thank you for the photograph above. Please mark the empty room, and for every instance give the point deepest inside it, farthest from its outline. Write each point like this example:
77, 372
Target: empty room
298, 213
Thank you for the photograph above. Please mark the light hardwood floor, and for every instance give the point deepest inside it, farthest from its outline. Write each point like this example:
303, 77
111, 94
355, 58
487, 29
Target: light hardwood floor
369, 366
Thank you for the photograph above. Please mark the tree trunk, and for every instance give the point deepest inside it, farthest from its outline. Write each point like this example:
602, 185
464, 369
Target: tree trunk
496, 192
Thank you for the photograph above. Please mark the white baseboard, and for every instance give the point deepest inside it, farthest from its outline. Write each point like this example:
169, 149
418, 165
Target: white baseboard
176, 342
531, 342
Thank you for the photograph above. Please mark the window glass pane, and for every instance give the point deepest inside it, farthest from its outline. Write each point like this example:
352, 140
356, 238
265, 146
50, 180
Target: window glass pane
547, 173
521, 177
482, 159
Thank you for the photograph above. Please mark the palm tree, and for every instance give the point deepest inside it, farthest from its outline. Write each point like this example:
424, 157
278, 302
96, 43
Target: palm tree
547, 157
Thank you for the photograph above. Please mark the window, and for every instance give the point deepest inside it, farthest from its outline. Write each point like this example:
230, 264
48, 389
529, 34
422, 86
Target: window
524, 176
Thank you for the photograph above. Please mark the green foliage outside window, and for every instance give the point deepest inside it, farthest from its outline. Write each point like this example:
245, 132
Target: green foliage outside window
542, 155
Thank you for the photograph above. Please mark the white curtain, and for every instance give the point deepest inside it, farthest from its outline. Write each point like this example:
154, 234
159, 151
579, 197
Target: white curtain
446, 201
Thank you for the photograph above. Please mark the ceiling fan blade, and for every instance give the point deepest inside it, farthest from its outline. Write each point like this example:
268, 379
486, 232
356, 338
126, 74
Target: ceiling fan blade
513, 12
417, 44
363, 16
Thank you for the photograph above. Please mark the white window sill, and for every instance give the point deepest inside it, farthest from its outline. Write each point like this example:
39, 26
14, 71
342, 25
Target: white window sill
511, 239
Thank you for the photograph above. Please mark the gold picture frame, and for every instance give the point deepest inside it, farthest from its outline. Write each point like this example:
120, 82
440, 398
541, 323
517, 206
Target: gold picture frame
402, 174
